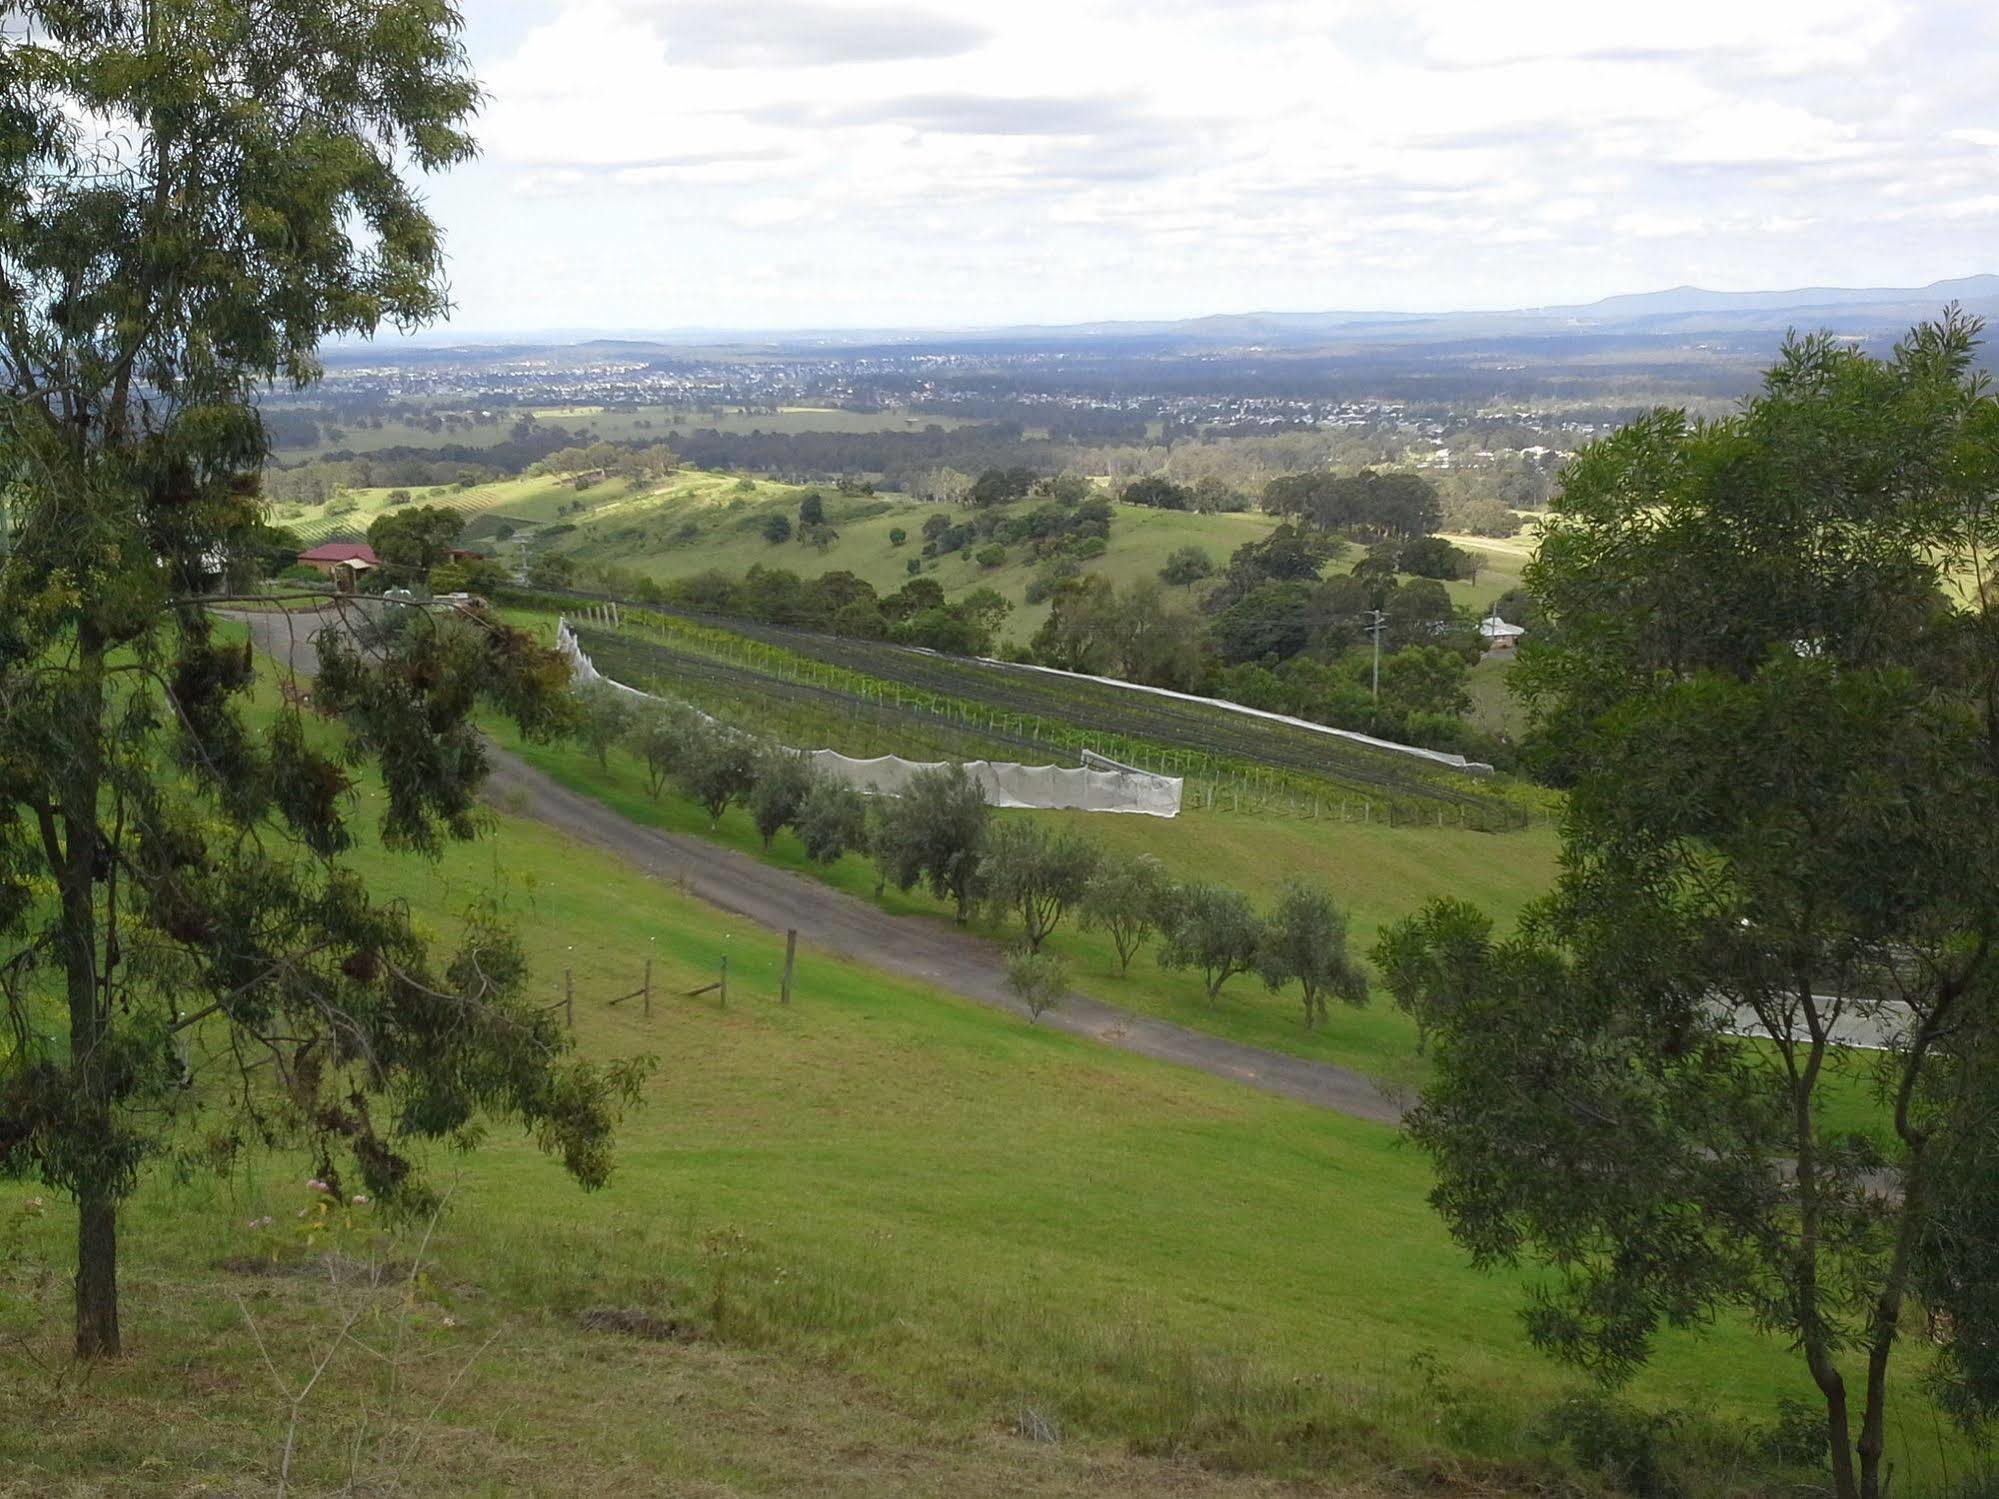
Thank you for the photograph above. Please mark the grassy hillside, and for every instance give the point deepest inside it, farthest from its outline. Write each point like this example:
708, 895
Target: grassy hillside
886, 1236
694, 525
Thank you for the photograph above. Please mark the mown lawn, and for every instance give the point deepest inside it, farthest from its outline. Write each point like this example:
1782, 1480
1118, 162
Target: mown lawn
881, 1222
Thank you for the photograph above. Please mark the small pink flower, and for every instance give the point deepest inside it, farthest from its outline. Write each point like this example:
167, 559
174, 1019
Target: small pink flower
318, 1186
360, 1197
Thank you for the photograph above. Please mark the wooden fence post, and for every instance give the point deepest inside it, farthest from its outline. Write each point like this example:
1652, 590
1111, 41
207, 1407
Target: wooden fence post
790, 957
645, 990
569, 996
725, 981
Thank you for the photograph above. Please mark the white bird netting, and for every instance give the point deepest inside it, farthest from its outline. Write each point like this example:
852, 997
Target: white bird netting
1097, 785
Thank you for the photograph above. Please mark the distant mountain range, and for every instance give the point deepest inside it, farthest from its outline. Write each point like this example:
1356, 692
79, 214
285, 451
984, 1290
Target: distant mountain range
1678, 314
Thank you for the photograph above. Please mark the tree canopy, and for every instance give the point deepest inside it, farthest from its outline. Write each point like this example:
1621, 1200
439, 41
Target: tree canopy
1770, 670
192, 197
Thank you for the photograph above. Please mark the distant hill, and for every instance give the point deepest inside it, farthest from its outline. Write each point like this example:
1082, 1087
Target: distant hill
1679, 312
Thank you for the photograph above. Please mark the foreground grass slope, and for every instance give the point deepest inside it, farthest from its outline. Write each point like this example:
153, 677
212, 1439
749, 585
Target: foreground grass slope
883, 1233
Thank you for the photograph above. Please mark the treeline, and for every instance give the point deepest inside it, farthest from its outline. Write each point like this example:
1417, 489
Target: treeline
939, 834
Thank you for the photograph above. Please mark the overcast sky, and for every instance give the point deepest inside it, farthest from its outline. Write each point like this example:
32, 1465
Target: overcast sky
822, 163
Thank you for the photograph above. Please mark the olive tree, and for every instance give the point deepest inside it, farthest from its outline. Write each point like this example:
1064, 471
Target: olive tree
1769, 677
1214, 929
1305, 941
932, 832
782, 778
1125, 898
1037, 979
717, 767
192, 197
605, 716
658, 736
831, 819
1034, 874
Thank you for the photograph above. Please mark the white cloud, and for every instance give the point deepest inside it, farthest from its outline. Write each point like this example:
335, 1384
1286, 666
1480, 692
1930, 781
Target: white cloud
1053, 158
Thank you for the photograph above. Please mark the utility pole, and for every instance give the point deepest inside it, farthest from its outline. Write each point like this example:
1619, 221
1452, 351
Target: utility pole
1377, 623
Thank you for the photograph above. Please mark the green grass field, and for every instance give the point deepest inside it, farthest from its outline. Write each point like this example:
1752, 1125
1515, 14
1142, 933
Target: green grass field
692, 527
890, 1229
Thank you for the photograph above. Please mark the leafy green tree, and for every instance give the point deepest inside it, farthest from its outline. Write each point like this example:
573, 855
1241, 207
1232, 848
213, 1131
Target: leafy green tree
1034, 874
1124, 898
1305, 941
775, 528
552, 570
783, 779
1785, 817
832, 818
1214, 929
897, 536
1186, 566
811, 511
1432, 961
1037, 979
191, 198
717, 767
416, 539
933, 832
658, 736
604, 716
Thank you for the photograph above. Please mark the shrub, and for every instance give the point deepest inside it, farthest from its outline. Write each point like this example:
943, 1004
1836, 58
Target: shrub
775, 528
897, 536
990, 556
1037, 979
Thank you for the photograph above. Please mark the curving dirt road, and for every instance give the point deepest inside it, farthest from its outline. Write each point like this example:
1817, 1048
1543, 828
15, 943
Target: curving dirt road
838, 923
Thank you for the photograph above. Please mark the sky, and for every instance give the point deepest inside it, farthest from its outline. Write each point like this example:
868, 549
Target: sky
658, 164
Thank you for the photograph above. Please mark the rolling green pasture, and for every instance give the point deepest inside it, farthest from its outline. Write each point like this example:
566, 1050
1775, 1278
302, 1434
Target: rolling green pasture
885, 1232
685, 530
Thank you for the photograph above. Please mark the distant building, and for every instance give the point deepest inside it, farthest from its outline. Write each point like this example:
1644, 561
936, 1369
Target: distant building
1499, 635
342, 561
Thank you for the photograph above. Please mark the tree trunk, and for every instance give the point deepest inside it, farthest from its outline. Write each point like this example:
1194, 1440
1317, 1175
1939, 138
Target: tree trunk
97, 1277
89, 1005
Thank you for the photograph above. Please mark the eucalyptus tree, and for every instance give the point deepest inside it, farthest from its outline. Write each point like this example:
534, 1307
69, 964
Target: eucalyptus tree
193, 195
1772, 671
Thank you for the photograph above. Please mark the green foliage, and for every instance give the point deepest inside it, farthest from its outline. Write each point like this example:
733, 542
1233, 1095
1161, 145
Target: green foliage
1304, 940
658, 736
831, 819
1432, 963
775, 528
415, 540
1035, 874
933, 832
1037, 979
1124, 898
1366, 504
1214, 929
783, 779
716, 766
1187, 566
897, 536
604, 716
1784, 815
